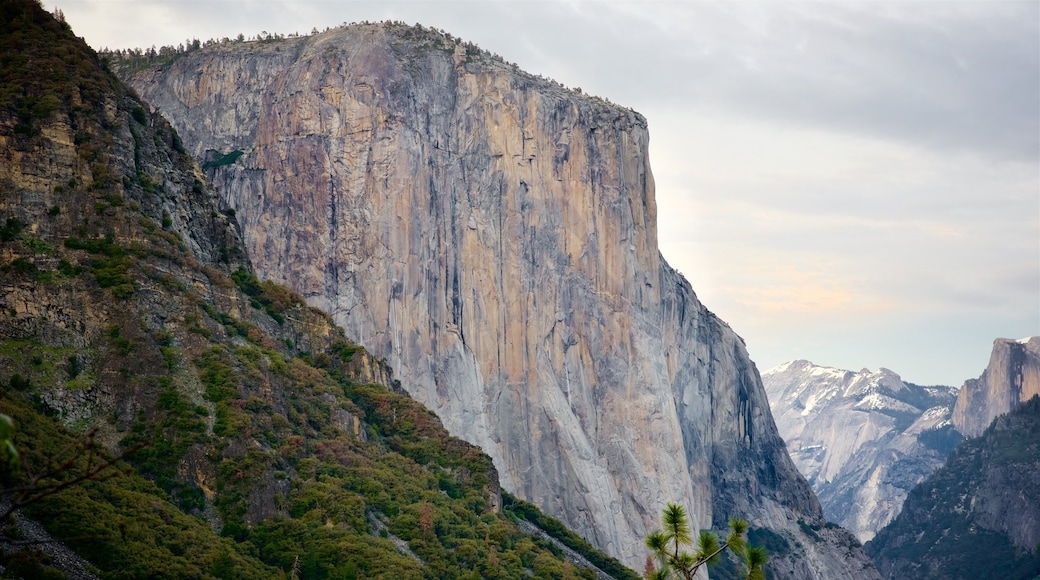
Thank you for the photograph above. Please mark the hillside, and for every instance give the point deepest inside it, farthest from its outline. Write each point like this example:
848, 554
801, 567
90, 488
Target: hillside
862, 439
493, 235
976, 517
273, 446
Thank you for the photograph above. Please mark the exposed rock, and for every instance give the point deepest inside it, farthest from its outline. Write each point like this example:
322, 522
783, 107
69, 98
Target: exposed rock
493, 236
863, 440
33, 536
1012, 376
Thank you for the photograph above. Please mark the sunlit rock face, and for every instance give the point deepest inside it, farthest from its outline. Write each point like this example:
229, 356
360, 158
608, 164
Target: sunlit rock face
863, 440
1012, 377
493, 236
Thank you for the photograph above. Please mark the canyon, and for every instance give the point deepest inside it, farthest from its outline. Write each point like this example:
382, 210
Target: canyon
978, 516
865, 439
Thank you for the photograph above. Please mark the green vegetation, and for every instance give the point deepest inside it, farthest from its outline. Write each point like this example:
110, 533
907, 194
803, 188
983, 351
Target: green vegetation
42, 73
427, 489
673, 561
122, 524
11, 230
29, 563
269, 297
111, 267
225, 159
526, 511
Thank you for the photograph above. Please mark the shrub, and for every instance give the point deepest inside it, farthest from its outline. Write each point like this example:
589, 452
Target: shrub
11, 230
223, 159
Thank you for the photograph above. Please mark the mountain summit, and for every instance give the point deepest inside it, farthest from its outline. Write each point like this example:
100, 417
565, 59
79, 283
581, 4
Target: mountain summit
493, 236
863, 439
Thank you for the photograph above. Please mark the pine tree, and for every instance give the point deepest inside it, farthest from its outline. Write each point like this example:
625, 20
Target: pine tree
667, 546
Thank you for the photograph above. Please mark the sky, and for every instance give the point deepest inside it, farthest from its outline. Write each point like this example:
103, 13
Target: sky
852, 183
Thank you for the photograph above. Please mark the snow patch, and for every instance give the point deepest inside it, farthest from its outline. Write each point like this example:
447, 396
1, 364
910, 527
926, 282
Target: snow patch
827, 372
877, 401
782, 367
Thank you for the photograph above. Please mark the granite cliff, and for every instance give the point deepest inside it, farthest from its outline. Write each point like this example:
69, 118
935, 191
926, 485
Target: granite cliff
862, 439
493, 236
1011, 377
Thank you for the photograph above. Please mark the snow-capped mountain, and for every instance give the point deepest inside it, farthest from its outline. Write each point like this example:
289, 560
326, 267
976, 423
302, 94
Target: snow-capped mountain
862, 439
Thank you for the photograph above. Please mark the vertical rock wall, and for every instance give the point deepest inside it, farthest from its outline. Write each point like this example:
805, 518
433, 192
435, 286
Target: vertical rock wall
493, 235
1012, 377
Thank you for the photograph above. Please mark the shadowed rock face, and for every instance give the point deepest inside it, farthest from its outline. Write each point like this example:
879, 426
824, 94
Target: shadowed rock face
493, 235
1012, 377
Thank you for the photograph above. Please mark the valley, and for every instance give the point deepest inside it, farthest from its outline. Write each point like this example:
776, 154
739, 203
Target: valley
376, 302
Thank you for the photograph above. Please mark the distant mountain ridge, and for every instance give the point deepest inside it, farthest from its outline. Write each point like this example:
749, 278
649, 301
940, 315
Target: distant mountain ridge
862, 439
979, 515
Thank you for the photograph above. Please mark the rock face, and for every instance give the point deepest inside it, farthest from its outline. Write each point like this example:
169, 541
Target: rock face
976, 517
493, 236
1012, 377
863, 440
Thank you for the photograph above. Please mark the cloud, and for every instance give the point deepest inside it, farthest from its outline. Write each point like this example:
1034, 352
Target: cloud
854, 183
795, 291
955, 76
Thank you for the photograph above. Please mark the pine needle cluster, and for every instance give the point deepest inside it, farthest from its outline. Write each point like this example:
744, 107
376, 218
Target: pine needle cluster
673, 561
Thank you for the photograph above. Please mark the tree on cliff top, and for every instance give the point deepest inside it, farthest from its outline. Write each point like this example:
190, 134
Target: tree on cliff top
673, 561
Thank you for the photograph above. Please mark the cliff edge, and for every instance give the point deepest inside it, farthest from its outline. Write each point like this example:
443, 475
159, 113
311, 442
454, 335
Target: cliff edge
1011, 377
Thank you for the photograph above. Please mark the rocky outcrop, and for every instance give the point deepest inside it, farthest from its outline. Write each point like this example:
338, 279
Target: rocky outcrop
1012, 376
493, 236
863, 440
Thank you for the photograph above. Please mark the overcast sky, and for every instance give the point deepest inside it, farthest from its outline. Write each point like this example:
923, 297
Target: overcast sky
857, 184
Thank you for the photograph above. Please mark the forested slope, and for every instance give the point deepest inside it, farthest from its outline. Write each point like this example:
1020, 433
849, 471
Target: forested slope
976, 517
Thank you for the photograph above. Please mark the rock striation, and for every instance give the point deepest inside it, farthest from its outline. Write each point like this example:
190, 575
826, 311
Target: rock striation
1012, 377
493, 236
862, 439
